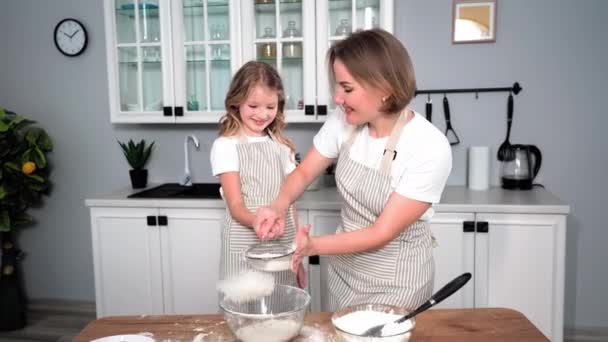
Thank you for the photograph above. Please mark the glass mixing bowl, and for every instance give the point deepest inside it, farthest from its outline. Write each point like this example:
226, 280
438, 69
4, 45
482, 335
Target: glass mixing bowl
356, 336
274, 318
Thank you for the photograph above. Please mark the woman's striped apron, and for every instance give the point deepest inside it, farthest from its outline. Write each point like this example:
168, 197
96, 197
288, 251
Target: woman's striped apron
261, 174
401, 273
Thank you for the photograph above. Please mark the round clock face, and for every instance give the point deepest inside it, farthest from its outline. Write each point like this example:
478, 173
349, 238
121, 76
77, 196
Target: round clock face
70, 37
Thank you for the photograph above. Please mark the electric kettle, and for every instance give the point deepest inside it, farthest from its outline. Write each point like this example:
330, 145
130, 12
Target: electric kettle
518, 171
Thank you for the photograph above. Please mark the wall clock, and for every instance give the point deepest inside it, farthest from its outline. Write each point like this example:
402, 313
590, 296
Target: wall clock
70, 37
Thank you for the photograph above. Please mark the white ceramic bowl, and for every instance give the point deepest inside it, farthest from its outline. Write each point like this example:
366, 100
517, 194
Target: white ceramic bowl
353, 333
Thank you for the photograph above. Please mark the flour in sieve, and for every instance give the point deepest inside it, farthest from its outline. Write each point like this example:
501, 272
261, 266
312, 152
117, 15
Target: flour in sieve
273, 330
247, 286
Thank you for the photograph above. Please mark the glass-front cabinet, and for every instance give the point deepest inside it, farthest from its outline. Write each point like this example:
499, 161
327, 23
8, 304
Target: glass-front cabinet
294, 36
171, 61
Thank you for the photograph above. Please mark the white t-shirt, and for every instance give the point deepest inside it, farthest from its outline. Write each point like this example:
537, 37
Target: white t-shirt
421, 167
224, 157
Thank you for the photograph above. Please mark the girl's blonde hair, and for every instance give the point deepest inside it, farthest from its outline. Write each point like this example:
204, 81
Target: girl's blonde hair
378, 59
253, 74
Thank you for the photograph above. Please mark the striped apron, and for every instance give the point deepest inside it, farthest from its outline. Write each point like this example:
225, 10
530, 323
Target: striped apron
401, 273
261, 174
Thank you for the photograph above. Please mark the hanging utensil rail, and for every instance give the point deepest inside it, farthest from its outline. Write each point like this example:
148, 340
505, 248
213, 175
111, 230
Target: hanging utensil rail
515, 89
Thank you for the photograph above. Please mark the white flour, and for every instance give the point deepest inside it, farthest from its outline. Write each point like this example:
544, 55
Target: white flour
277, 265
247, 286
359, 321
273, 330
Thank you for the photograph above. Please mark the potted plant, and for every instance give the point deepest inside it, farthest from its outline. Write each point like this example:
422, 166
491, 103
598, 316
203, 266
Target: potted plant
24, 179
137, 156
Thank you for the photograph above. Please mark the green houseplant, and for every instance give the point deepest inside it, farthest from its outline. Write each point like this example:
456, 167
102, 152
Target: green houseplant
137, 156
24, 179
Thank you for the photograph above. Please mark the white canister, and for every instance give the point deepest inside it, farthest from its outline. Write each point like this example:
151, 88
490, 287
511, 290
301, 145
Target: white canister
479, 168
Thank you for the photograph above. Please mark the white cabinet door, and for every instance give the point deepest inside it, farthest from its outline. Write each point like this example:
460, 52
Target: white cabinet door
323, 222
519, 265
191, 258
126, 255
454, 255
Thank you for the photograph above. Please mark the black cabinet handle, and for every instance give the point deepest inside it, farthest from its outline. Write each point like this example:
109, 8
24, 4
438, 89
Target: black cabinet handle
468, 226
309, 110
167, 111
322, 109
151, 220
313, 260
162, 220
179, 111
483, 227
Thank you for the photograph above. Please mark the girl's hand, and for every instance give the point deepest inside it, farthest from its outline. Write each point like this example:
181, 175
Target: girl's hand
268, 224
301, 277
303, 247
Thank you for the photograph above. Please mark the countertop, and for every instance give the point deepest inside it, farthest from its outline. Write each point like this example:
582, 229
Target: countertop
454, 199
454, 325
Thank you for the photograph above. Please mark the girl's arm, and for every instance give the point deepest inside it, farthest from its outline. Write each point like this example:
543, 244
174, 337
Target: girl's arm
398, 214
231, 185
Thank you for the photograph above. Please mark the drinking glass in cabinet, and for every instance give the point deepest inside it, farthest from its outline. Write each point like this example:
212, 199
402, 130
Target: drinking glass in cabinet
344, 28
367, 13
265, 15
152, 78
291, 31
292, 73
194, 20
196, 74
149, 23
125, 21
127, 79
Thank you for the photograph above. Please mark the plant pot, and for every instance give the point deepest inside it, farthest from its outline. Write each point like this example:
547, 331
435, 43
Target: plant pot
12, 298
139, 178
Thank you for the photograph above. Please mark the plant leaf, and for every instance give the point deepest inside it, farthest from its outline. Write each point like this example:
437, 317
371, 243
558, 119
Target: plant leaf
39, 158
5, 221
12, 166
2, 192
37, 178
3, 126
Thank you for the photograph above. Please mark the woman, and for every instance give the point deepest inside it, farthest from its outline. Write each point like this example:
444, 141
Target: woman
392, 164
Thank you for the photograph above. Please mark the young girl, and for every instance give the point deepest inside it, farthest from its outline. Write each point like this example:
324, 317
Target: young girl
252, 156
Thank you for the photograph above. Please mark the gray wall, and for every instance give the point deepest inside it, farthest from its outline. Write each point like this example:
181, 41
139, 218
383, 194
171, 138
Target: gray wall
554, 49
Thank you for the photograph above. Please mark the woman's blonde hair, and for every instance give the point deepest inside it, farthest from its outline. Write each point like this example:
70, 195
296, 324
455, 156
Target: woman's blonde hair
253, 74
378, 59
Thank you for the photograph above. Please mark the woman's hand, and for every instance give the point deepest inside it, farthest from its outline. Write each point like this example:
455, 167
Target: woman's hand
303, 247
269, 224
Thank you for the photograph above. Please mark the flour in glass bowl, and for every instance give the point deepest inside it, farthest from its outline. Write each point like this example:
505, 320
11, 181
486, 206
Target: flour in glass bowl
359, 321
272, 330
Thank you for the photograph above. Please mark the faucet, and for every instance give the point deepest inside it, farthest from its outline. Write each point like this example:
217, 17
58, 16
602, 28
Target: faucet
187, 180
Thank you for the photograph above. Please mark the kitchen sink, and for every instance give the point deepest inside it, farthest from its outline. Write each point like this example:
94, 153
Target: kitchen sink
174, 190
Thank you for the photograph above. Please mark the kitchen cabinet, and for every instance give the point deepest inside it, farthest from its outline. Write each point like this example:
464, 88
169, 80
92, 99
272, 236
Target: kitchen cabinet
156, 260
517, 261
294, 36
170, 61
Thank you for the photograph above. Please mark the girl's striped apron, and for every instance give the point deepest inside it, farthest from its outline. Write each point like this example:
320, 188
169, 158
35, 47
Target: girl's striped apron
401, 273
261, 174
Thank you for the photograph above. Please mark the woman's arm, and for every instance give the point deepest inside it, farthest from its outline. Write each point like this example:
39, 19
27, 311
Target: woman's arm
231, 186
269, 221
398, 214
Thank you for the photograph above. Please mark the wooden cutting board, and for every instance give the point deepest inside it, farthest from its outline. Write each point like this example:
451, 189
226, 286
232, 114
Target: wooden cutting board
492, 324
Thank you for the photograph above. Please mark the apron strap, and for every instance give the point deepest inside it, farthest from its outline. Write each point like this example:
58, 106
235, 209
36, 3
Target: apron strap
389, 149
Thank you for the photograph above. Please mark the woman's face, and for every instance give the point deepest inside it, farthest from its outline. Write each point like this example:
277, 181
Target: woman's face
361, 103
259, 110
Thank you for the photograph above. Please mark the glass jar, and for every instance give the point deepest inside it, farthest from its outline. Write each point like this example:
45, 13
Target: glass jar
291, 30
344, 28
268, 49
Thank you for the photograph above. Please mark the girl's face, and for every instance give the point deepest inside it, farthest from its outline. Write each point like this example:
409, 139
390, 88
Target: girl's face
259, 110
360, 103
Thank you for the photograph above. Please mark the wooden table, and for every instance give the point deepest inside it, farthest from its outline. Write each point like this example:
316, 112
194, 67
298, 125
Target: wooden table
492, 324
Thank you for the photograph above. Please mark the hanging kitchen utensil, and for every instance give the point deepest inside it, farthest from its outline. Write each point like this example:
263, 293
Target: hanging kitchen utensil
450, 133
440, 295
505, 151
429, 108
